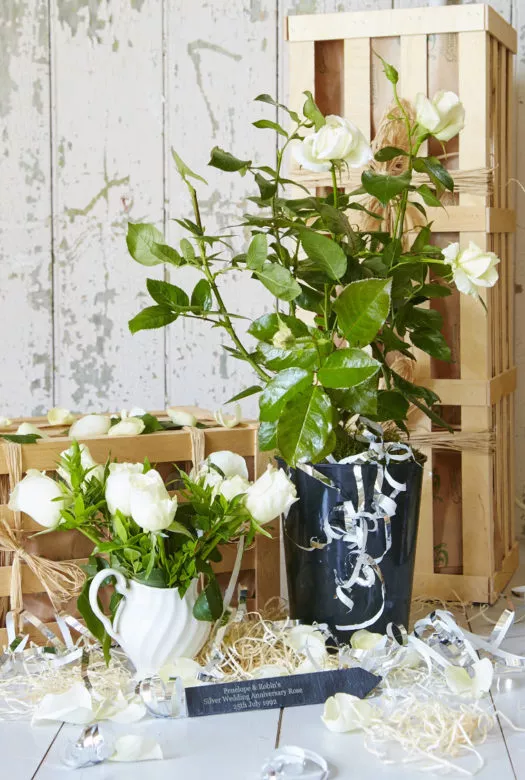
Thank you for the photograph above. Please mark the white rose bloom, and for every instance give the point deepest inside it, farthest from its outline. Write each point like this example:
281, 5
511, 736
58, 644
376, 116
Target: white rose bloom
118, 487
443, 116
5, 422
344, 712
136, 411
307, 640
90, 426
26, 429
35, 495
150, 503
472, 267
271, 495
337, 140
229, 463
128, 426
234, 486
87, 462
60, 416
181, 417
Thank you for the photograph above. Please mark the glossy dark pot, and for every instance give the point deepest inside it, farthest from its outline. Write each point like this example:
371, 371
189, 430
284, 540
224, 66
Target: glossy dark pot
313, 575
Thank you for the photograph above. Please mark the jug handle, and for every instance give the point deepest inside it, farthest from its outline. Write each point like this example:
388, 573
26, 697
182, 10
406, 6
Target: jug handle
121, 587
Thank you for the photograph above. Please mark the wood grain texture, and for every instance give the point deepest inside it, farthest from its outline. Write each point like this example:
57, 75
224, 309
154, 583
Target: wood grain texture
108, 168
26, 298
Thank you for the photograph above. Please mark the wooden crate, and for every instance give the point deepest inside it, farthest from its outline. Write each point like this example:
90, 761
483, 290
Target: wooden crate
260, 567
468, 49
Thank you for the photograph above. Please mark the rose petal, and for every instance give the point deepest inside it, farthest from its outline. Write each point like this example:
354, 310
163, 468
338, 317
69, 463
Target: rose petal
134, 748
366, 640
72, 706
344, 712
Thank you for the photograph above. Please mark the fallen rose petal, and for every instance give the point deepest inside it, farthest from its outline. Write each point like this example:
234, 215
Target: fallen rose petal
461, 683
270, 670
72, 706
185, 668
134, 748
366, 640
307, 640
344, 712
60, 416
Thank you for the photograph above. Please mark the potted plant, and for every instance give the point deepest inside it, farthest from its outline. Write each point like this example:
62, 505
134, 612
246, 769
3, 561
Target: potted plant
158, 550
349, 297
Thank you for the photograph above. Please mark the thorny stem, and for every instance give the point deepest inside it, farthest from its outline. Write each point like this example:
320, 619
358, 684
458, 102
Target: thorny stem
226, 320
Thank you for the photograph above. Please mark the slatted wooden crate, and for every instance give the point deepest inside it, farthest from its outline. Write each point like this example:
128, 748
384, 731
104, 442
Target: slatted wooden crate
468, 496
260, 567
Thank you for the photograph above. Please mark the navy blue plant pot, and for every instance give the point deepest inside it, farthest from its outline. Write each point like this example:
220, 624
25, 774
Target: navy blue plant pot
314, 574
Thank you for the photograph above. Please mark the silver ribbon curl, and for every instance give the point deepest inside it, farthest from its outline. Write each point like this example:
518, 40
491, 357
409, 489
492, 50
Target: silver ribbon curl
358, 522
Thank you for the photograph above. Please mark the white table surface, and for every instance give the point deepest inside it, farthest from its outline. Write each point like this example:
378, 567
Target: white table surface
233, 747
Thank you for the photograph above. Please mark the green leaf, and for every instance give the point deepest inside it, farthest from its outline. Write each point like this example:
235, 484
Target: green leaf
120, 528
167, 294
188, 252
435, 171
310, 300
422, 239
93, 624
166, 254
267, 436
266, 188
429, 196
304, 426
280, 390
311, 111
267, 123
227, 162
183, 169
208, 606
265, 98
140, 239
325, 253
432, 342
388, 153
389, 71
26, 438
152, 317
202, 295
257, 252
335, 221
347, 368
435, 291
264, 328
383, 186
178, 528
304, 354
361, 399
391, 405
245, 394
416, 317
362, 308
152, 423
279, 281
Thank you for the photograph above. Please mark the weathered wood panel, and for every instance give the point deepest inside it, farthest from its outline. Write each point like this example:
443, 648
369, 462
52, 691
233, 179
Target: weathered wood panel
218, 60
26, 299
108, 130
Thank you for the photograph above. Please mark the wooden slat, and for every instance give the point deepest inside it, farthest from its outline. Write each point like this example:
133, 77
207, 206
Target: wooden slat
30, 583
452, 587
357, 96
413, 75
160, 447
267, 566
229, 552
401, 22
470, 392
503, 577
301, 78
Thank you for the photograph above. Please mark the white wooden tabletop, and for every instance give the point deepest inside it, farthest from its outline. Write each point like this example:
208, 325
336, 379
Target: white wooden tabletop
233, 747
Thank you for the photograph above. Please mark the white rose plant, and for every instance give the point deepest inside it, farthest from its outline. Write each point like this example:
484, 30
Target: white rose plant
145, 532
348, 299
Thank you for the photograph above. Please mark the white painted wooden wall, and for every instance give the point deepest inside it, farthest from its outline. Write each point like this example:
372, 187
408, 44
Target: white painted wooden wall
93, 94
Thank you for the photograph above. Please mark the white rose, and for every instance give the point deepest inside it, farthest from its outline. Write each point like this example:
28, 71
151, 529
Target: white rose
337, 140
179, 416
118, 487
234, 486
150, 503
60, 416
128, 426
344, 712
271, 495
90, 425
443, 116
26, 429
136, 411
87, 462
5, 422
472, 267
229, 463
307, 640
35, 495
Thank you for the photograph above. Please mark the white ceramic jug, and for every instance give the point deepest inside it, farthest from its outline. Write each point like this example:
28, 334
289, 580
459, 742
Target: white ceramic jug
151, 625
